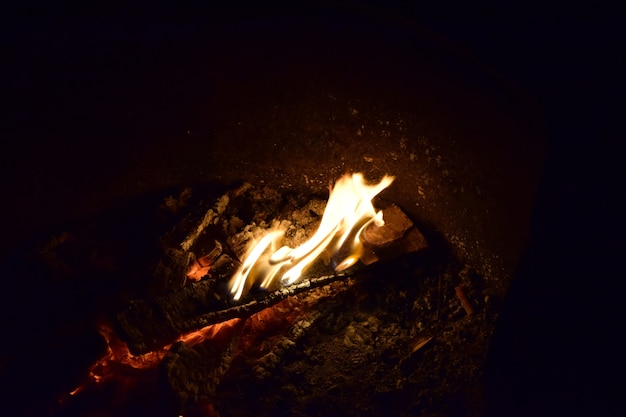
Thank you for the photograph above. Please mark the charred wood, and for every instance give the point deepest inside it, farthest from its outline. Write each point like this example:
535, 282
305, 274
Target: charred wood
147, 325
262, 302
192, 373
190, 241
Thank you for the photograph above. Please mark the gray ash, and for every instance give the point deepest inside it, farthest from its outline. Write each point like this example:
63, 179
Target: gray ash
391, 338
350, 351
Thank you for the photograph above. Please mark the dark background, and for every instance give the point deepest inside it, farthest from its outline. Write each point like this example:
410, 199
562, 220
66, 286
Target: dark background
559, 347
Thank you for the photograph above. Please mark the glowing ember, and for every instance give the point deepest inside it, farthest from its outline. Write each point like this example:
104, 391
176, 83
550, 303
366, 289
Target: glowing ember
210, 332
348, 212
201, 267
120, 366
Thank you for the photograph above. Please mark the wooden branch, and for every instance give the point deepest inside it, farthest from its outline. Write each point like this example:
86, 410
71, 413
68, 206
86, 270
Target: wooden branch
465, 302
254, 306
147, 325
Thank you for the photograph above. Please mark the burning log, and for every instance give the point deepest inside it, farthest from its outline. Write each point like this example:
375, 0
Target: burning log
147, 325
349, 224
265, 301
197, 370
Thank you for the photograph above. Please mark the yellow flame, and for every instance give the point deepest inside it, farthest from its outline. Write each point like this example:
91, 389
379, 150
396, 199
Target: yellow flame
348, 212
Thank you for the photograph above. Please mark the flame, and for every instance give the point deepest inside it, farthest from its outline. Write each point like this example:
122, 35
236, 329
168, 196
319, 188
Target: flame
348, 212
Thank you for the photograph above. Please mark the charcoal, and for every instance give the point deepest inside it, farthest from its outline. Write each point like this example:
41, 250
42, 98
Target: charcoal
192, 373
147, 325
172, 269
153, 323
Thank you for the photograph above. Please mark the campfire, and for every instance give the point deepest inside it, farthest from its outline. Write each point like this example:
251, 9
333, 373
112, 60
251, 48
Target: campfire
216, 280
306, 300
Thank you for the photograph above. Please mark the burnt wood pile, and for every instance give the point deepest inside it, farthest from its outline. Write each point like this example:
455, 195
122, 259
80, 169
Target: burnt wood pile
149, 324
404, 332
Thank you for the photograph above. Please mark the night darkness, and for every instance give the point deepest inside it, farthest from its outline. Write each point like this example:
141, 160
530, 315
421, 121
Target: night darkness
559, 347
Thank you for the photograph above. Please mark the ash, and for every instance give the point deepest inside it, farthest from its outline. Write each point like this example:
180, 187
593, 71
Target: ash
392, 340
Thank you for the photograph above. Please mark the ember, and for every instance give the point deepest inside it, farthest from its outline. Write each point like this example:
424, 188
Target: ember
334, 312
329, 288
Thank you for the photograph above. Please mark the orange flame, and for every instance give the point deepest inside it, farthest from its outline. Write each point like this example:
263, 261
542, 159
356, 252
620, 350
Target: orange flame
348, 212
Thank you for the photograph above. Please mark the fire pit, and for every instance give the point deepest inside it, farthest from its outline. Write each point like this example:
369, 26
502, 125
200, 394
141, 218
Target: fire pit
400, 328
